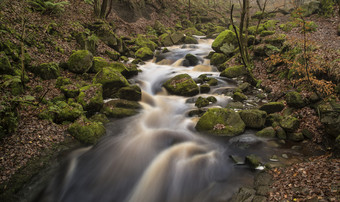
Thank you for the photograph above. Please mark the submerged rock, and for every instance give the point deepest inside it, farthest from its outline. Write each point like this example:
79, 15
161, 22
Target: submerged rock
182, 85
222, 122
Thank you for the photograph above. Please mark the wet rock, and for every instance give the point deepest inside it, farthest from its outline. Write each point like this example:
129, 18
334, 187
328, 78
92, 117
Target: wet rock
294, 99
112, 81
177, 38
234, 71
144, 53
222, 122
191, 60
201, 102
120, 108
212, 99
182, 85
86, 131
132, 93
253, 161
296, 137
190, 40
253, 118
212, 82
91, 98
225, 38
267, 132
80, 61
244, 194
272, 107
70, 90
236, 159
289, 123
235, 105
205, 88
218, 58
244, 87
238, 96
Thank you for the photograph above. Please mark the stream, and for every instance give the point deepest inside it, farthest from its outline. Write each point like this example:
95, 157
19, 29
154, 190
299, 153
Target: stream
157, 155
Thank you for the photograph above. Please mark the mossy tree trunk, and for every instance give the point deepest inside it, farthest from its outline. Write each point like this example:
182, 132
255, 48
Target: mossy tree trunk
102, 8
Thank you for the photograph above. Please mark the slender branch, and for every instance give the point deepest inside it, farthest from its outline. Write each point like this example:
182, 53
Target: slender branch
259, 21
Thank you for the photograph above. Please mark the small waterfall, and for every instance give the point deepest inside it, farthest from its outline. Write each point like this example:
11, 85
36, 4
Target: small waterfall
156, 155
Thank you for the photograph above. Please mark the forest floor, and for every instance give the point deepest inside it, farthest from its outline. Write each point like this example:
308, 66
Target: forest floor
318, 177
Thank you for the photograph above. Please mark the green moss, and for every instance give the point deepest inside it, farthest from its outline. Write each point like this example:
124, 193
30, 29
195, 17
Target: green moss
60, 112
218, 58
272, 107
121, 108
70, 90
205, 88
296, 137
144, 53
201, 102
212, 82
132, 93
276, 40
141, 41
219, 121
5, 65
252, 29
182, 85
289, 123
253, 118
165, 39
234, 71
266, 33
190, 40
61, 81
99, 117
270, 24
294, 99
113, 55
226, 37
80, 61
238, 96
86, 131
268, 132
98, 64
191, 59
90, 97
47, 70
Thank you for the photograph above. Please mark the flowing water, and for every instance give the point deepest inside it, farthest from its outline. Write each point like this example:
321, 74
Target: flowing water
157, 155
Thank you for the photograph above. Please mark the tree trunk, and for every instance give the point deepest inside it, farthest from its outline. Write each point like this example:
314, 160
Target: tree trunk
103, 9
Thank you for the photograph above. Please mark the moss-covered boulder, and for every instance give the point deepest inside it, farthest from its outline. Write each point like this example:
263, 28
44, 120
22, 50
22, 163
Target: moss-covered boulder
61, 81
111, 80
190, 40
296, 137
190, 60
132, 93
253, 118
273, 119
234, 71
267, 132
227, 37
61, 111
294, 99
107, 36
86, 131
99, 117
47, 71
218, 58
70, 90
253, 161
265, 50
280, 133
120, 108
222, 122
272, 107
80, 61
91, 98
330, 117
144, 53
238, 96
113, 55
142, 41
98, 64
205, 88
5, 65
177, 38
276, 40
201, 102
266, 33
165, 40
290, 123
182, 85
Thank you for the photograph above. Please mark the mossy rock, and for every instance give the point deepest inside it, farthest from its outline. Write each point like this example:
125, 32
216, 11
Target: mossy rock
290, 123
238, 96
47, 71
120, 108
234, 71
165, 40
191, 59
144, 53
276, 40
98, 64
296, 137
107, 36
120, 67
70, 90
267, 132
113, 55
61, 81
99, 117
218, 58
252, 29
212, 99
112, 80
270, 24
253, 161
5, 65
294, 99
272, 107
266, 33
253, 118
330, 117
132, 93
182, 85
226, 37
222, 122
80, 61
212, 82
273, 119
86, 131
201, 102
177, 38
141, 41
190, 40
60, 112
205, 88
280, 133
265, 50
235, 105
91, 98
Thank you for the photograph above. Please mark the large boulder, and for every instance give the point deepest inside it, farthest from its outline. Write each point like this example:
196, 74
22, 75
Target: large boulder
225, 38
47, 71
268, 132
80, 61
86, 131
91, 98
111, 80
294, 99
330, 117
177, 38
234, 71
70, 90
290, 123
120, 108
144, 53
182, 85
218, 58
272, 107
98, 64
253, 118
222, 122
132, 93
165, 40
190, 60
142, 41
61, 111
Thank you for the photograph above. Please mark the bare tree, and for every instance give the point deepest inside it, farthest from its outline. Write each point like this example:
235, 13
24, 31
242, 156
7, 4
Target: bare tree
102, 8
